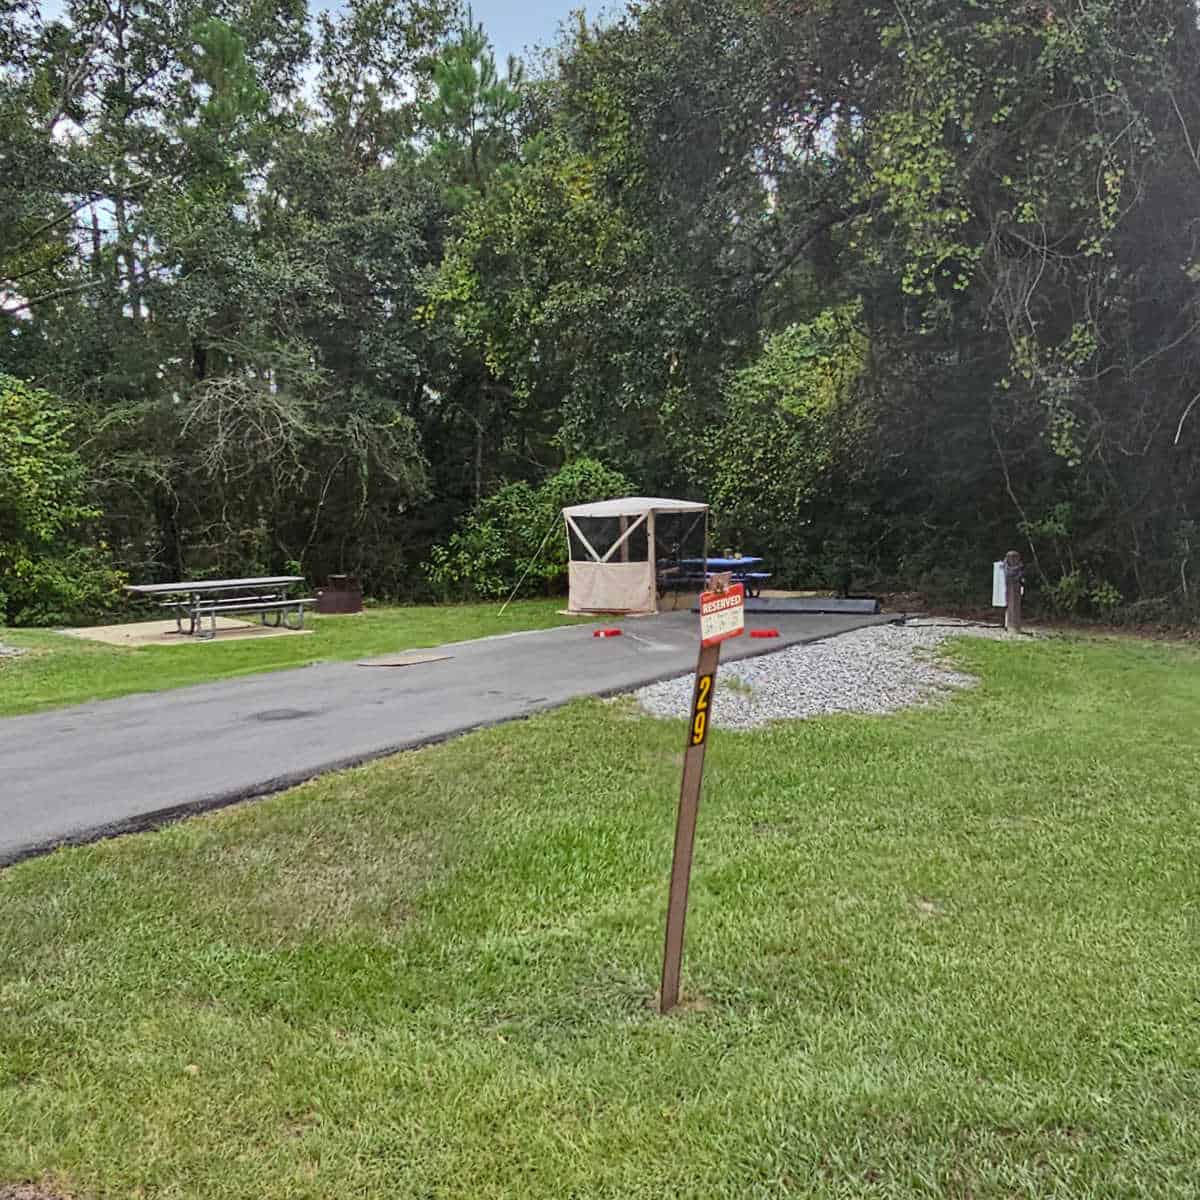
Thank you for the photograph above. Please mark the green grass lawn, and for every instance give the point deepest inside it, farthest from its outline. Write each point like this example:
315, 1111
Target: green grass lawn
952, 952
65, 670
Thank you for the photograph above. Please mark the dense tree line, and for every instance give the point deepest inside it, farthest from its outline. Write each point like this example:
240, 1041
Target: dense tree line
894, 287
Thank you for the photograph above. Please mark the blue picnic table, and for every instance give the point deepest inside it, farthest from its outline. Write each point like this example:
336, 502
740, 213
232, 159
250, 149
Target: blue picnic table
689, 571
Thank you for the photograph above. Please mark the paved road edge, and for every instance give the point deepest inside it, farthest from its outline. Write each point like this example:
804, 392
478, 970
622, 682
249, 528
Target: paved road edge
146, 822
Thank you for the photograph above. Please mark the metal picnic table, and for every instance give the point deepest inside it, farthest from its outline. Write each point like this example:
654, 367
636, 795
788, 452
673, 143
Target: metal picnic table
200, 598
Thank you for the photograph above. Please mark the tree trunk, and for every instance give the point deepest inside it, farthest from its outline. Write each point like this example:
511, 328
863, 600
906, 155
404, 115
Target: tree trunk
479, 424
168, 532
96, 241
125, 251
478, 463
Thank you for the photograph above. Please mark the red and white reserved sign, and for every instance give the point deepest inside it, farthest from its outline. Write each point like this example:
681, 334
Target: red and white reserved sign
722, 615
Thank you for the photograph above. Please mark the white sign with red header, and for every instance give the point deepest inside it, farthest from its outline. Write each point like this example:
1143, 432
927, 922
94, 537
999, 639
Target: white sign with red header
722, 615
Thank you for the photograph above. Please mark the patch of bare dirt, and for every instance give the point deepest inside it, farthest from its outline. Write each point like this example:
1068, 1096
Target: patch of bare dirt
902, 602
27, 1191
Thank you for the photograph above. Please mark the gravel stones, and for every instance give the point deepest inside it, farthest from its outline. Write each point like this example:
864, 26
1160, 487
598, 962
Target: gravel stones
876, 670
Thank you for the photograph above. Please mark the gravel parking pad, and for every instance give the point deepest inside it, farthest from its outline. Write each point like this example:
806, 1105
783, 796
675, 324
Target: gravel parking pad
875, 670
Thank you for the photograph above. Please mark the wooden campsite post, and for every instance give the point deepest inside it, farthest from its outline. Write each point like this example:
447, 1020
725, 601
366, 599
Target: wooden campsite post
652, 557
722, 616
1014, 572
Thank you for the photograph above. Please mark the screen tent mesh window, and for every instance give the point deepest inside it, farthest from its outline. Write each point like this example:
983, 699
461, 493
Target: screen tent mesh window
603, 534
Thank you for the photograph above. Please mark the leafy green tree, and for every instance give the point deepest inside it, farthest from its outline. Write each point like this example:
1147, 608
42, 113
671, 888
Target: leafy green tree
514, 537
470, 126
237, 358
471, 119
1018, 161
373, 61
797, 416
50, 569
893, 285
988, 180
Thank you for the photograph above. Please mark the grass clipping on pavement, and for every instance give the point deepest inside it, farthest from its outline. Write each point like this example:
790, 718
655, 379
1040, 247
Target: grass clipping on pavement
948, 952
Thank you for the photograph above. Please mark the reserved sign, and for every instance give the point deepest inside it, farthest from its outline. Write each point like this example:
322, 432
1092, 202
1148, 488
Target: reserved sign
722, 615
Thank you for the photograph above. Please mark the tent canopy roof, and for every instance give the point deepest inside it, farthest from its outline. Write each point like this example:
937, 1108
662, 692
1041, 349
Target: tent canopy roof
633, 506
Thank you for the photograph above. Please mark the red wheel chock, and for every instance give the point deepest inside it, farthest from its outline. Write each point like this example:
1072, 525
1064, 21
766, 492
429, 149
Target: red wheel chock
764, 633
606, 633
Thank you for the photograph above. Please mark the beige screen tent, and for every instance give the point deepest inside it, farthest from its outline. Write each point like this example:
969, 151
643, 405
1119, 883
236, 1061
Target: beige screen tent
625, 553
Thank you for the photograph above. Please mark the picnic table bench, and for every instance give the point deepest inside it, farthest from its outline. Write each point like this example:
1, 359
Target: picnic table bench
265, 595
694, 572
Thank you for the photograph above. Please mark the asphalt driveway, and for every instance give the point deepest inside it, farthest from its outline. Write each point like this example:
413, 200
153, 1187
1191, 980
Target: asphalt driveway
116, 765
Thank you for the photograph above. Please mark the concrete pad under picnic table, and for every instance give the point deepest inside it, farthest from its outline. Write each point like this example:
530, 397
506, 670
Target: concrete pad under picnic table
112, 766
166, 633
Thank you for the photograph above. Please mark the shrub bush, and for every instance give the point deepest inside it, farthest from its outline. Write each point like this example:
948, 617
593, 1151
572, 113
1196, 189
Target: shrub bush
486, 558
50, 571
